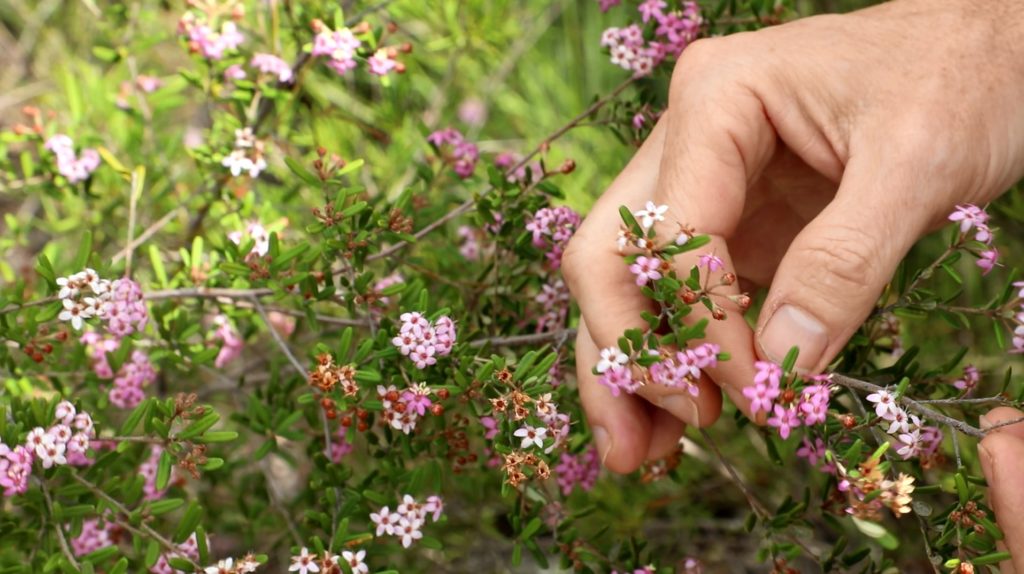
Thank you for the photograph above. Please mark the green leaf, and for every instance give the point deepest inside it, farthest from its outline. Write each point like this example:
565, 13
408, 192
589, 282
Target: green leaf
304, 174
200, 425
163, 470
164, 506
961, 488
993, 558
217, 436
631, 224
157, 262
531, 528
84, 251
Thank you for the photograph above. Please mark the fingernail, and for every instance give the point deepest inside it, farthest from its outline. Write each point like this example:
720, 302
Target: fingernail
603, 441
682, 407
791, 327
984, 422
985, 457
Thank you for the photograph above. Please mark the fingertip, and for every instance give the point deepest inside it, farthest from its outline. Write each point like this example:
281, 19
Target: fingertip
666, 430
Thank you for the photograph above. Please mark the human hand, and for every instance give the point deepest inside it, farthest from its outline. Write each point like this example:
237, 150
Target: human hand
815, 154
1002, 460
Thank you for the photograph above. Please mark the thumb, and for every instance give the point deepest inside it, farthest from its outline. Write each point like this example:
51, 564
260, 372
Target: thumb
1002, 459
834, 271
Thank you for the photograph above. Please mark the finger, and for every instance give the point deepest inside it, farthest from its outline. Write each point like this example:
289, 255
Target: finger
1002, 459
833, 273
718, 141
666, 430
606, 290
621, 425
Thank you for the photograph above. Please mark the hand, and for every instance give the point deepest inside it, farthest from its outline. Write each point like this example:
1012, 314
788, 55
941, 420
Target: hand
1002, 460
815, 153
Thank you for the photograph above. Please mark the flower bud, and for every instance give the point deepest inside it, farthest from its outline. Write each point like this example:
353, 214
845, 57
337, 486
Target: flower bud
399, 407
729, 278
568, 166
742, 301
436, 409
346, 421
689, 297
391, 396
718, 313
442, 394
848, 421
362, 427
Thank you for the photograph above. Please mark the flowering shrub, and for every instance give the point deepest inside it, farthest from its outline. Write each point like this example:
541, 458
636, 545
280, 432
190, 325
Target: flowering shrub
284, 304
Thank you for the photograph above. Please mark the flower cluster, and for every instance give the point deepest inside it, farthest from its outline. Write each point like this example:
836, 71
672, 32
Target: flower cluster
968, 381
272, 65
680, 369
913, 437
402, 411
120, 302
65, 442
808, 407
247, 156
555, 427
135, 374
231, 341
969, 217
579, 470
408, 519
554, 299
95, 534
244, 565
469, 243
661, 35
188, 549
455, 150
552, 228
868, 479
423, 341
338, 46
524, 174
74, 167
257, 233
204, 37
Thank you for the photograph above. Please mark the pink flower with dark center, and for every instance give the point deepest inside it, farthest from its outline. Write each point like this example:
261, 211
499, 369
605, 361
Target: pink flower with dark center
988, 260
646, 269
785, 420
711, 262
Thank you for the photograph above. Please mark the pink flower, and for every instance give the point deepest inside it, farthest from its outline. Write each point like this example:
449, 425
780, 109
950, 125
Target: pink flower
15, 469
578, 470
646, 269
234, 72
785, 420
969, 216
761, 396
813, 452
271, 64
969, 380
608, 4
885, 404
988, 260
619, 379
417, 398
381, 62
710, 261
652, 9
769, 373
639, 119
491, 425
552, 228
385, 521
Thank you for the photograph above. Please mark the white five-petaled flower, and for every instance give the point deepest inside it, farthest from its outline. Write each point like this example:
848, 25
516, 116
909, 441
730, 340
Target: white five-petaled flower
899, 422
75, 313
304, 563
611, 357
531, 436
355, 561
409, 530
51, 452
384, 520
885, 404
650, 214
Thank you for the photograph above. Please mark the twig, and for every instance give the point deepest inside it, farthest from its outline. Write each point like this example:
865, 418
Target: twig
145, 235
520, 340
911, 404
469, 203
280, 342
133, 192
996, 400
143, 528
61, 537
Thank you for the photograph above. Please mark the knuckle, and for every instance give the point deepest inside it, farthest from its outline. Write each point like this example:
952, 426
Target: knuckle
841, 261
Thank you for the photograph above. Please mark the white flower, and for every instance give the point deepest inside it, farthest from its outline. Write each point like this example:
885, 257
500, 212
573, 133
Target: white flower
79, 443
355, 561
409, 530
885, 404
65, 412
60, 433
409, 508
247, 565
51, 452
83, 422
899, 422
35, 437
623, 240
384, 520
67, 288
911, 444
531, 436
650, 214
611, 357
223, 567
73, 312
304, 563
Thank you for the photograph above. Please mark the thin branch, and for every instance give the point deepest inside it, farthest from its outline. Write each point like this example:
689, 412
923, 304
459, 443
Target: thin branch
134, 189
143, 528
145, 235
996, 400
62, 539
559, 336
469, 203
280, 342
911, 404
